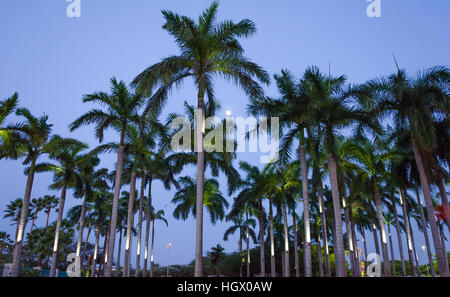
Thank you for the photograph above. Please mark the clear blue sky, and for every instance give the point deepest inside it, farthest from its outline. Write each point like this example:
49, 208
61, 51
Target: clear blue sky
52, 60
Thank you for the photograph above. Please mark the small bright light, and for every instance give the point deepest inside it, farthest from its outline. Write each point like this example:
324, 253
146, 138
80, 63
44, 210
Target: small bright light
423, 247
228, 113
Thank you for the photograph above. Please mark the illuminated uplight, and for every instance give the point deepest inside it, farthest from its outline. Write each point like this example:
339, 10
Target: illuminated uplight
228, 113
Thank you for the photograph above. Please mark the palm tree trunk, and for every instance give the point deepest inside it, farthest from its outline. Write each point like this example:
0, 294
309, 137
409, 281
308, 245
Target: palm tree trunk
338, 241
408, 234
294, 223
392, 252
152, 255
198, 272
80, 229
419, 272
94, 261
32, 223
306, 220
349, 238
104, 257
261, 238
400, 242
240, 253
384, 248
425, 232
364, 242
139, 238
115, 208
286, 242
272, 242
48, 217
375, 239
147, 225
319, 255
23, 221
119, 249
442, 264
324, 229
17, 224
356, 254
126, 265
86, 245
445, 205
58, 226
248, 243
441, 230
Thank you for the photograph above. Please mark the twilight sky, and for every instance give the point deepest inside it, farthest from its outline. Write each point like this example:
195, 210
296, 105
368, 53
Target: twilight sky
52, 60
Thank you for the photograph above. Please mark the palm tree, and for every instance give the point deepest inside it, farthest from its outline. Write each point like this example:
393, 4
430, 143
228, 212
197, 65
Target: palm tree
208, 49
292, 108
158, 167
185, 200
14, 210
91, 180
331, 110
393, 210
67, 154
256, 186
413, 102
102, 204
216, 255
50, 203
30, 140
121, 110
37, 205
371, 159
240, 225
155, 216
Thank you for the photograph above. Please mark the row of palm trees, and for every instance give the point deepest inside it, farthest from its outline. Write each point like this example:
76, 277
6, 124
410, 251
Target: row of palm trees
374, 169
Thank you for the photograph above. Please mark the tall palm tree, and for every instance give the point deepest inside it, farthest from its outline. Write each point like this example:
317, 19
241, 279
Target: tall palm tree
68, 155
256, 186
371, 159
92, 180
208, 49
30, 140
159, 167
292, 108
333, 109
122, 108
392, 206
413, 102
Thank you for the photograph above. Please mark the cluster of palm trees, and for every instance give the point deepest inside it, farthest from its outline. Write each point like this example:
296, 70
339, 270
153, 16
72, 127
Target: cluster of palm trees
347, 171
